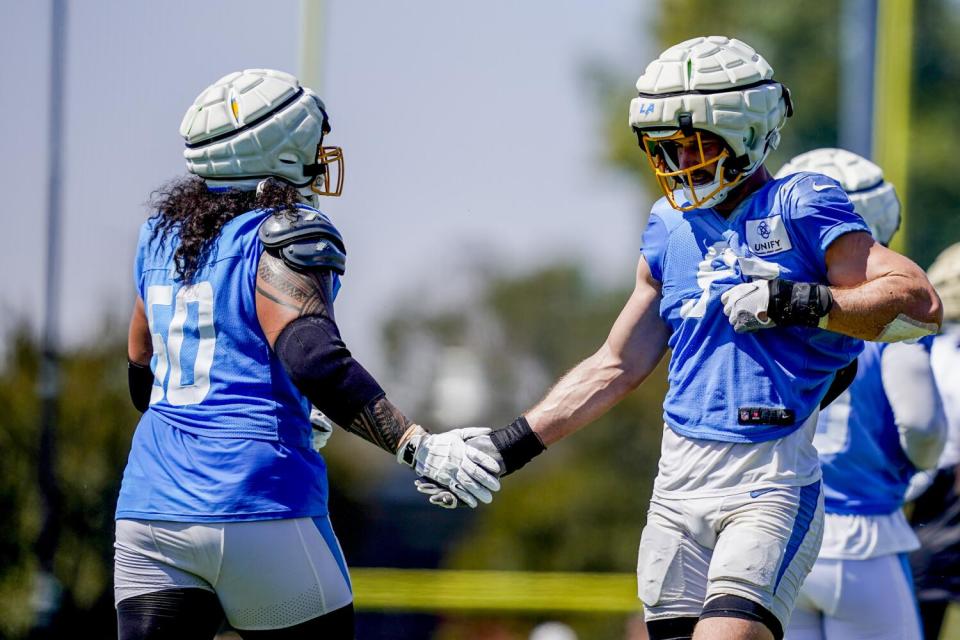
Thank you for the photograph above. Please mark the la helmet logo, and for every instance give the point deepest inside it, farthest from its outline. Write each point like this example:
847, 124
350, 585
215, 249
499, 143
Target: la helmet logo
764, 230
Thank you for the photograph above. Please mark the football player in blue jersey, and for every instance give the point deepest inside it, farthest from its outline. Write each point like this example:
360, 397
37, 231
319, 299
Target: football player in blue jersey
762, 289
936, 510
223, 505
872, 439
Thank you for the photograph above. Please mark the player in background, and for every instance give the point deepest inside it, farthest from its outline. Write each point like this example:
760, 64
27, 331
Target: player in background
936, 510
223, 504
871, 441
762, 289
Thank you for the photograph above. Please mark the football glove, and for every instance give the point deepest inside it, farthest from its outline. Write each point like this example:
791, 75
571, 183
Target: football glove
436, 494
322, 428
512, 447
445, 458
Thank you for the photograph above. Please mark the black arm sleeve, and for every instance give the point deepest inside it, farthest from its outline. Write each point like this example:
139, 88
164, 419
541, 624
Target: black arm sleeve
140, 382
319, 363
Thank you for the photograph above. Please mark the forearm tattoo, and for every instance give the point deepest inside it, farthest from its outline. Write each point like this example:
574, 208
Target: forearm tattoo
381, 423
305, 293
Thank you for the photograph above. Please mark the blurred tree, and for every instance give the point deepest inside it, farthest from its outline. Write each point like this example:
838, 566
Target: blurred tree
934, 206
95, 425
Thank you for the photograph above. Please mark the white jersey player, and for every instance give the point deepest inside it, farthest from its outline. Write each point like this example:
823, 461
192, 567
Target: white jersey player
871, 441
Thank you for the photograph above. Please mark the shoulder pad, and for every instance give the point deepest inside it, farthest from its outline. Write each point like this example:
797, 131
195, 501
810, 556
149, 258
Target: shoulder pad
305, 239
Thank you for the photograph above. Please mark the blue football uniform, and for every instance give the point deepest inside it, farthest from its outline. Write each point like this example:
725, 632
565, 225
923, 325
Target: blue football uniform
861, 585
865, 470
759, 386
227, 435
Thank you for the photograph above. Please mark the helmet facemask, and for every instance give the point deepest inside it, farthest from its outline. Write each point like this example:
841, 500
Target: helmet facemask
705, 183
327, 171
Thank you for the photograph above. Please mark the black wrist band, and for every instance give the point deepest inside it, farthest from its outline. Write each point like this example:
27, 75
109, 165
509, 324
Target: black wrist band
798, 303
517, 444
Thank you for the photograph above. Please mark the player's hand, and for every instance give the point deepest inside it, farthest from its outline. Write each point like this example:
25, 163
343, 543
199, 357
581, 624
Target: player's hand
445, 458
761, 304
444, 497
322, 428
436, 494
746, 305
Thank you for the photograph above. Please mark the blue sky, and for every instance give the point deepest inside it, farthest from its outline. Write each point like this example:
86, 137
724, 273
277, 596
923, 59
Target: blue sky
470, 133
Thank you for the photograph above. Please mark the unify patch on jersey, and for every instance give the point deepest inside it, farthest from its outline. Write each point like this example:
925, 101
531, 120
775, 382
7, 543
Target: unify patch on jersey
767, 236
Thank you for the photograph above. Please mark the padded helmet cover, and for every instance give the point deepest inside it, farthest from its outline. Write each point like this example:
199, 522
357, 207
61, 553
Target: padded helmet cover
725, 86
254, 124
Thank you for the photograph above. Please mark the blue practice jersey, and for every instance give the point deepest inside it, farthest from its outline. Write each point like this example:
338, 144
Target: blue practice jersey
720, 380
227, 435
865, 470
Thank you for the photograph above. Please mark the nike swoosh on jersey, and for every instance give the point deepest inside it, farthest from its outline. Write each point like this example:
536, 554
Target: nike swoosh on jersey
756, 493
822, 187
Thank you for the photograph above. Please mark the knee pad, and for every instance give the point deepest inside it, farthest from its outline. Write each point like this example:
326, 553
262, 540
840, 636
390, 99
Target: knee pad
728, 606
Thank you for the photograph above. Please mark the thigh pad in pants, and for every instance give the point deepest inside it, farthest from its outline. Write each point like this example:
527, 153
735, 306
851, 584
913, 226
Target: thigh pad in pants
671, 572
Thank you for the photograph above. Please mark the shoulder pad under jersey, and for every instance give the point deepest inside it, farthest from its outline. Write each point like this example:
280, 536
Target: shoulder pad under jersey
305, 239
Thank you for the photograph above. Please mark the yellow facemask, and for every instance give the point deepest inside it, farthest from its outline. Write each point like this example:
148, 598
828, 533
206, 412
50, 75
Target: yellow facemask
671, 178
329, 180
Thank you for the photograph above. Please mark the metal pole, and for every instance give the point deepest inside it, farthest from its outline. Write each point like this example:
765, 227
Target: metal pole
46, 594
312, 44
858, 31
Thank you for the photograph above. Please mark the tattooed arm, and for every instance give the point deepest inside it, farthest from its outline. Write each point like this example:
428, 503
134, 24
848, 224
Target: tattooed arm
295, 309
300, 303
284, 295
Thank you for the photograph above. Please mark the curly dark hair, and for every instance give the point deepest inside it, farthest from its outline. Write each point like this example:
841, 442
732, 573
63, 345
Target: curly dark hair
184, 206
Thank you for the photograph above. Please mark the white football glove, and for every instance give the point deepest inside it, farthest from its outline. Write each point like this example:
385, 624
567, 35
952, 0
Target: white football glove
919, 483
436, 494
746, 304
443, 497
322, 428
469, 473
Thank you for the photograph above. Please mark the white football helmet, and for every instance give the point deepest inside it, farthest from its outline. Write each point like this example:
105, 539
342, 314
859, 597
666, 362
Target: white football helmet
874, 198
255, 124
714, 84
944, 275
